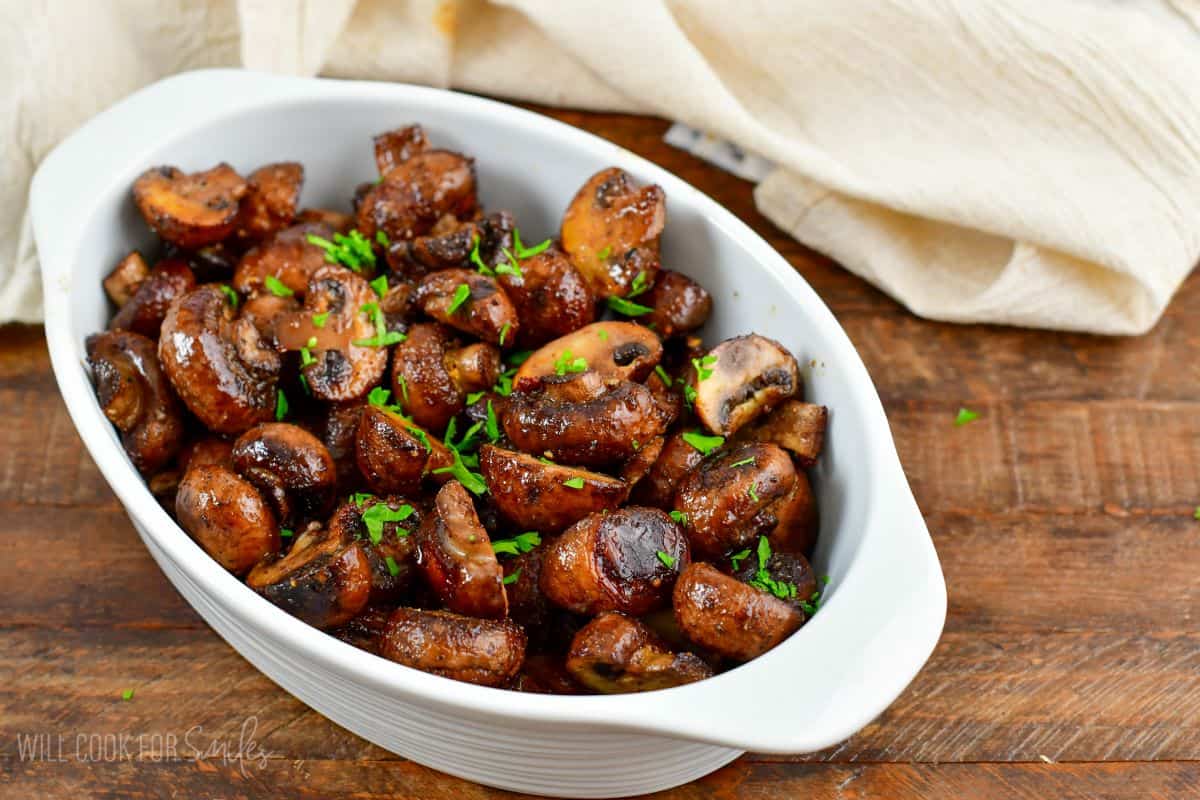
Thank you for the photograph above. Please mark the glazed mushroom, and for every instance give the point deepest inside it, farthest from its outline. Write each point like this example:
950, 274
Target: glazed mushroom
394, 455
221, 369
551, 296
729, 617
470, 302
227, 517
796, 426
789, 574
322, 580
290, 466
740, 379
615, 654
387, 534
145, 311
726, 501
455, 555
337, 429
431, 376
136, 398
287, 256
205, 451
126, 276
626, 560
641, 462
795, 516
486, 652
680, 304
392, 148
676, 459
416, 193
272, 195
543, 673
451, 243
534, 495
613, 350
190, 210
527, 604
339, 221
611, 230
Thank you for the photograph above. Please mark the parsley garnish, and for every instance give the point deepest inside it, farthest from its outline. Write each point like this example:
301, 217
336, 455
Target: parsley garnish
320, 319
753, 492
667, 559
380, 513
639, 285
281, 405
461, 293
965, 416
662, 373
511, 579
679, 517
230, 294
127, 695
472, 481
512, 267
504, 332
689, 394
473, 397
392, 567
605, 253
286, 533
477, 260
629, 309
565, 363
306, 356
383, 337
702, 365
524, 252
277, 287
380, 285
737, 558
492, 425
358, 498
382, 238
521, 543
603, 334
573, 483
379, 397
503, 385
705, 444
742, 463
350, 250
400, 379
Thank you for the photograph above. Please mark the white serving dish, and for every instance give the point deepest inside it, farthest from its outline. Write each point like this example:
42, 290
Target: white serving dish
883, 612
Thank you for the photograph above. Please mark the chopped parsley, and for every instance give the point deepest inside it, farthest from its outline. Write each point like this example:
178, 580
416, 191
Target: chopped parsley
319, 320
703, 366
230, 294
662, 373
567, 363
639, 285
1196, 515
753, 492
286, 533
473, 397
742, 463
689, 394
460, 468
492, 424
281, 405
277, 287
504, 332
603, 334
762, 579
383, 337
605, 253
127, 695
377, 515
513, 267
400, 379
392, 567
358, 498
521, 543
705, 444
350, 250
736, 559
524, 252
679, 517
379, 397
573, 483
627, 308
504, 383
965, 416
380, 285
382, 238
461, 293
667, 559
477, 260
511, 579
306, 356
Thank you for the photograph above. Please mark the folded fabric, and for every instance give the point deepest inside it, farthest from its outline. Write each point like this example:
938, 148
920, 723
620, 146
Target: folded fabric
1018, 161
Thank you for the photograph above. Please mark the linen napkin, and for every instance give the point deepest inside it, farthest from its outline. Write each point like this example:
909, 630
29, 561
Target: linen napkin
1029, 162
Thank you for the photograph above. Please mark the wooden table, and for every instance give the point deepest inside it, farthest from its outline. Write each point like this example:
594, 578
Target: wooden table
1069, 667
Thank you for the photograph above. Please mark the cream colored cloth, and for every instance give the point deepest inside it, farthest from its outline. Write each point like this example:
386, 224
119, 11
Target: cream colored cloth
1031, 162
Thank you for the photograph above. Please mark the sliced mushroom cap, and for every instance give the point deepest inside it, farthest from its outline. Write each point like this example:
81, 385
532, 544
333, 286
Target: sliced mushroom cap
126, 276
432, 376
784, 568
534, 495
611, 231
615, 654
719, 612
625, 560
482, 309
286, 255
390, 540
394, 454
134, 394
455, 554
271, 199
795, 517
145, 311
190, 210
323, 580
219, 368
416, 193
616, 350
290, 466
680, 304
593, 432
551, 295
796, 426
392, 148
750, 376
486, 652
267, 311
675, 461
451, 242
475, 367
227, 517
726, 500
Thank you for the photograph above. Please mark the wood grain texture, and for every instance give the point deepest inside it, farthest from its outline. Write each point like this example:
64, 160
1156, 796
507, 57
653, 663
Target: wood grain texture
1063, 518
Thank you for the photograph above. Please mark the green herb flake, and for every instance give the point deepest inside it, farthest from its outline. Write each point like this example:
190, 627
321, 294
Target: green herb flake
667, 559
603, 334
521, 543
689, 394
1196, 515
504, 332
351, 250
230, 294
381, 513
573, 483
524, 252
513, 267
127, 695
281, 405
277, 287
605, 253
380, 285
392, 567
461, 293
379, 397
306, 357
736, 559
400, 379
964, 416
383, 337
509, 580
286, 533
492, 428
753, 492
662, 373
705, 444
679, 517
382, 239
627, 308
566, 362
477, 260
358, 498
319, 320
474, 397
742, 463
703, 366
639, 285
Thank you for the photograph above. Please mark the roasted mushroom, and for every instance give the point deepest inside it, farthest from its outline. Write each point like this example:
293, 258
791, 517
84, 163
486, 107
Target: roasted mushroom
740, 379
416, 193
795, 517
322, 580
726, 501
486, 652
394, 454
287, 255
527, 604
616, 350
796, 426
470, 302
640, 463
190, 210
625, 560
788, 574
127, 275
290, 466
451, 243
431, 375
145, 311
676, 459
392, 148
455, 554
680, 304
386, 527
611, 231
135, 396
272, 196
221, 369
551, 296
729, 617
338, 431
226, 516
535, 495
615, 654
205, 451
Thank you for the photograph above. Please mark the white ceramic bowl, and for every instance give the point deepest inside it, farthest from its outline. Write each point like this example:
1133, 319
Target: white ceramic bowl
884, 609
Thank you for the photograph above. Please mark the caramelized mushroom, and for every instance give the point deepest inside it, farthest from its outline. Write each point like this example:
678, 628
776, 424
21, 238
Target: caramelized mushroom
272, 195
286, 255
145, 311
680, 304
611, 231
640, 463
486, 652
190, 210
323, 580
415, 193
455, 554
534, 495
729, 617
786, 569
220, 368
451, 242
625, 560
551, 296
388, 541
134, 395
227, 517
431, 377
614, 654
338, 431
617, 350
481, 309
675, 461
795, 426
750, 376
392, 148
527, 604
394, 454
290, 466
339, 221
795, 516
726, 501
127, 275
205, 451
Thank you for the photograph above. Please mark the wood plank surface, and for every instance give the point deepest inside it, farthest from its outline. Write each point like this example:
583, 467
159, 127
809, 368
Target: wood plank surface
1070, 666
